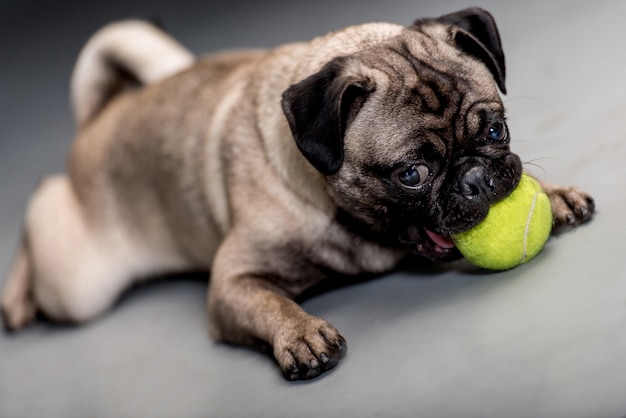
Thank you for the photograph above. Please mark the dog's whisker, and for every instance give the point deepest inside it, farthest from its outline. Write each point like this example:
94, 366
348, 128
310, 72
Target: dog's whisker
528, 98
533, 164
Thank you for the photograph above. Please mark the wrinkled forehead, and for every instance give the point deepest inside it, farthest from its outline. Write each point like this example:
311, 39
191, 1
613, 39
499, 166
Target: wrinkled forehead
426, 92
414, 59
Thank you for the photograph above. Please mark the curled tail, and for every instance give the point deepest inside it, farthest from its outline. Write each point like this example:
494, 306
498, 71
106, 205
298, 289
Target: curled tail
123, 54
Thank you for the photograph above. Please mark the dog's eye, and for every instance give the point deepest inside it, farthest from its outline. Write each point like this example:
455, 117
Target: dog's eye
497, 132
413, 175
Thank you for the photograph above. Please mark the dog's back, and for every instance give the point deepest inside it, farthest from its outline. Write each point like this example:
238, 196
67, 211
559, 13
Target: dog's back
158, 107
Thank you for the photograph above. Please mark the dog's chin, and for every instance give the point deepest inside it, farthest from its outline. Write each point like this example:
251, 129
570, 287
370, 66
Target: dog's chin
431, 246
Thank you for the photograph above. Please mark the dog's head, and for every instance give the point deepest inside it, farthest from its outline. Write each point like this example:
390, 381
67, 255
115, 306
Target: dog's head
411, 133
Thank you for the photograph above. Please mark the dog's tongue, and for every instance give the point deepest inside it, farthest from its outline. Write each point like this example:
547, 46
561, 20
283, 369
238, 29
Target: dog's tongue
440, 240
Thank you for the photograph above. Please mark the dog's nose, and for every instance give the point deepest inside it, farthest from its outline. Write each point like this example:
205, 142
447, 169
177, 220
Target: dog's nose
475, 184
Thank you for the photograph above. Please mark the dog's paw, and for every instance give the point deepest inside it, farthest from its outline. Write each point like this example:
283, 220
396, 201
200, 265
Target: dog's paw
308, 348
571, 206
16, 311
17, 305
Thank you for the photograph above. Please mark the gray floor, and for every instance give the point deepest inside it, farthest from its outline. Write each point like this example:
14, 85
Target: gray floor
544, 340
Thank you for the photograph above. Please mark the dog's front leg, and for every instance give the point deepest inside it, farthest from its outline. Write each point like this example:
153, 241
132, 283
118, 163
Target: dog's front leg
245, 308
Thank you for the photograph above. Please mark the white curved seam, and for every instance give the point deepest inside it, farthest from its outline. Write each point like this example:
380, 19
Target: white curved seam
527, 229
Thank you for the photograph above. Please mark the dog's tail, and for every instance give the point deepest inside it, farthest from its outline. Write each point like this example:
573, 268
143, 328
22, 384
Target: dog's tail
122, 55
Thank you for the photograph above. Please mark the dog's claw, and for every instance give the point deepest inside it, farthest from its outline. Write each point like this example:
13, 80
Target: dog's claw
293, 372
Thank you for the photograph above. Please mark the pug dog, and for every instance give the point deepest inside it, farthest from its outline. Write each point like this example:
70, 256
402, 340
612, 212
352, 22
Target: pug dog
271, 170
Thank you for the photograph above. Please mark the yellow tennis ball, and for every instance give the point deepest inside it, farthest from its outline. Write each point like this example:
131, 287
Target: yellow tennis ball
514, 231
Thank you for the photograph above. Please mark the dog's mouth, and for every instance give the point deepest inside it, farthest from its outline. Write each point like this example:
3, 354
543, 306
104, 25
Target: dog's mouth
431, 245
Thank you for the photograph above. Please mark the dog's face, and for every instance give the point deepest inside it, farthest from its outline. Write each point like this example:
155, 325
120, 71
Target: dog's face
411, 134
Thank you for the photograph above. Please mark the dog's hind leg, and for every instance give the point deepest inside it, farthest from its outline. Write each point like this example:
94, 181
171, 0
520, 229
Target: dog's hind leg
70, 268
59, 269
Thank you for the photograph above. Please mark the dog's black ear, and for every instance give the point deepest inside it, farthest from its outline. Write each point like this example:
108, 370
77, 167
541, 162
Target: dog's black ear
476, 34
319, 110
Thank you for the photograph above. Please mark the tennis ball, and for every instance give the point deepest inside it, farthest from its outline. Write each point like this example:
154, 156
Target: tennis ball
514, 231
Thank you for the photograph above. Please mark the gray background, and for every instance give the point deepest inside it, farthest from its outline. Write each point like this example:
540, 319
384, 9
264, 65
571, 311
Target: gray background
547, 339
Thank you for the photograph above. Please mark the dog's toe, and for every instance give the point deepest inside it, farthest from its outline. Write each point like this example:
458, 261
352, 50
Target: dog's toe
309, 349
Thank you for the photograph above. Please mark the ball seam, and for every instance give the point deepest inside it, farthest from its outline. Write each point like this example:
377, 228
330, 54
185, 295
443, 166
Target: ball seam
527, 229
